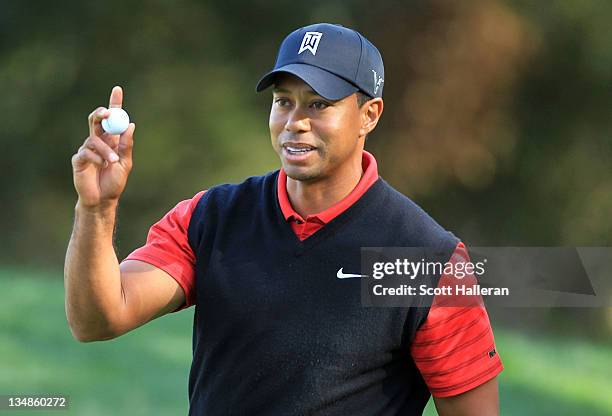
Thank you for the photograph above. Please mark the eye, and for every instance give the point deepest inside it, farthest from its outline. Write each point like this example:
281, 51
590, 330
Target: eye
281, 102
320, 105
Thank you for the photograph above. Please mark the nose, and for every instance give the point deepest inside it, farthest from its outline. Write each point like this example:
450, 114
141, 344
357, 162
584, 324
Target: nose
297, 121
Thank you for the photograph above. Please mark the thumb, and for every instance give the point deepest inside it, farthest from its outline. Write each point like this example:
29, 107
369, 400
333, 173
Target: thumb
126, 142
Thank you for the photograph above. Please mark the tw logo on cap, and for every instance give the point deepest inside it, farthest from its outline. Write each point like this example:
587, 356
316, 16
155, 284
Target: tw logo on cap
378, 81
310, 42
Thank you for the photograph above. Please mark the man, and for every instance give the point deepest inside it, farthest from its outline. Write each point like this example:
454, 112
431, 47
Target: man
277, 328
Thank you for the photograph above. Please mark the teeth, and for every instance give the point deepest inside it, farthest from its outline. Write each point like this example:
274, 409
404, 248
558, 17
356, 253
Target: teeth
298, 149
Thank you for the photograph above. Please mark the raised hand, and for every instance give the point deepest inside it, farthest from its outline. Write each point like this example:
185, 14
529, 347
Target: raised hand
101, 166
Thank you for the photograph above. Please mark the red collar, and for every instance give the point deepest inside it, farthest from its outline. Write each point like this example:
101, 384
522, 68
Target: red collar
370, 175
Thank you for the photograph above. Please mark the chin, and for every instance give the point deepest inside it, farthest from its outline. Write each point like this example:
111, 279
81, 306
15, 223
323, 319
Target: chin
301, 173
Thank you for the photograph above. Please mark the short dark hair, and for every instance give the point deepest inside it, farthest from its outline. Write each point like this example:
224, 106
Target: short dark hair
362, 97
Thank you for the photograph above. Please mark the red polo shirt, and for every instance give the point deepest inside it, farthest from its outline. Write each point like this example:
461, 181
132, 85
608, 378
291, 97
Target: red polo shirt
454, 349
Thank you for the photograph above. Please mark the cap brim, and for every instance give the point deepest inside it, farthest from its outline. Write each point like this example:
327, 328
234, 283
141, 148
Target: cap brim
324, 83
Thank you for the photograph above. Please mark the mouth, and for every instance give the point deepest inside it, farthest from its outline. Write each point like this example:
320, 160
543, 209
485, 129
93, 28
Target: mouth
297, 151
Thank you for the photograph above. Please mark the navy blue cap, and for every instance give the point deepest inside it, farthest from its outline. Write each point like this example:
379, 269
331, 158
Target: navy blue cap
334, 60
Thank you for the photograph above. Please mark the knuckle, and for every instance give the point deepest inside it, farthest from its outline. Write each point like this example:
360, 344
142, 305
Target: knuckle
95, 143
95, 112
102, 148
78, 158
126, 152
92, 157
126, 146
84, 144
108, 150
82, 155
108, 139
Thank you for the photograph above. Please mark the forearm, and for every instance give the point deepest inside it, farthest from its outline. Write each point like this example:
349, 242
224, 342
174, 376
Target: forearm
480, 401
92, 277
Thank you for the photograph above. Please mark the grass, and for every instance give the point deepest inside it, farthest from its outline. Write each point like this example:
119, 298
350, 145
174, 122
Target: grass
146, 372
142, 373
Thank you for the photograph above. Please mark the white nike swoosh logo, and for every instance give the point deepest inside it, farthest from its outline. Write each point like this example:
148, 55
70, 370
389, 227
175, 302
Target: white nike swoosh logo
342, 275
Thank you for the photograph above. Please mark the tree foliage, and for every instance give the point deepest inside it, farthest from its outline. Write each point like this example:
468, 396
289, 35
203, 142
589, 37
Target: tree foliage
497, 114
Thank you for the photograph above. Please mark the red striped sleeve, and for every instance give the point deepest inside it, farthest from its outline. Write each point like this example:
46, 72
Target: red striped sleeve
168, 248
454, 349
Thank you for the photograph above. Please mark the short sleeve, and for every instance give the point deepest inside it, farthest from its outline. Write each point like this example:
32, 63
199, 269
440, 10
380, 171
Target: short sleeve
454, 349
168, 248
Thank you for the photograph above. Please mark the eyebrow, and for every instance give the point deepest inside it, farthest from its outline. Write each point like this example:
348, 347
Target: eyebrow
286, 91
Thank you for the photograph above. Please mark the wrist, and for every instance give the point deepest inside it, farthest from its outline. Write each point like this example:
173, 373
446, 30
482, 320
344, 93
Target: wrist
102, 209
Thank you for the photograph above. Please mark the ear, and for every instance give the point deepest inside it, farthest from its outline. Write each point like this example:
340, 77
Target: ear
370, 114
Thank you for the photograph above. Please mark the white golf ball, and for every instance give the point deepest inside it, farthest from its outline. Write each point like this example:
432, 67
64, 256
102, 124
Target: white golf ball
117, 122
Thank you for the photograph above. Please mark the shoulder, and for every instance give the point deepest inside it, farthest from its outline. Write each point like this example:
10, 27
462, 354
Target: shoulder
227, 194
252, 185
236, 198
417, 225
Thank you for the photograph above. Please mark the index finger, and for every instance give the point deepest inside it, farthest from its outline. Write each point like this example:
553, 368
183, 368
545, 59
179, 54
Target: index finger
116, 97
94, 121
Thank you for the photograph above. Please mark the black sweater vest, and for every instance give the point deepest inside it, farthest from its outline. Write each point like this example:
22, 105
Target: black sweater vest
276, 332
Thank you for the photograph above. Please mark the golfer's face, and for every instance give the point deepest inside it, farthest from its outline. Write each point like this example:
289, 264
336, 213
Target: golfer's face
313, 136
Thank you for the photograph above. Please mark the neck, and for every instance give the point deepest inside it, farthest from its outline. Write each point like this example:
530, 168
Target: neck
312, 197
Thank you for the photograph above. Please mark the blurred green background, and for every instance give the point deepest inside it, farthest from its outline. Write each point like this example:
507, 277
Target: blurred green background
497, 121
